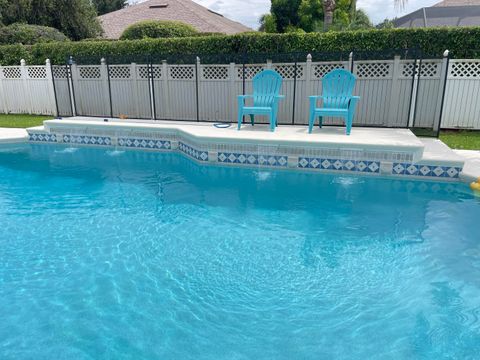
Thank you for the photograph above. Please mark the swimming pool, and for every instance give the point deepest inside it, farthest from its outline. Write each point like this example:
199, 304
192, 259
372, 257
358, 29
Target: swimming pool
121, 255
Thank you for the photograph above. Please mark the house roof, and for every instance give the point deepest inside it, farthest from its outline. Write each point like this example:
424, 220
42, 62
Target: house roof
457, 3
445, 13
187, 11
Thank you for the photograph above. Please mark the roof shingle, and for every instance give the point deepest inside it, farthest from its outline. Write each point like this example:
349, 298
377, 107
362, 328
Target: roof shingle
187, 11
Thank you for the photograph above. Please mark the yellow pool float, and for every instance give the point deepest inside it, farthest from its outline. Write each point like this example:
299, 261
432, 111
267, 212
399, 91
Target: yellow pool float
475, 186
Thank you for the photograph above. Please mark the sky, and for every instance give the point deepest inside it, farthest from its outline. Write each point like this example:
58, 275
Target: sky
249, 11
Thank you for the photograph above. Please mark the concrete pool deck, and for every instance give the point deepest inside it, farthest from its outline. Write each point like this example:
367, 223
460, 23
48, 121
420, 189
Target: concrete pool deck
13, 135
396, 152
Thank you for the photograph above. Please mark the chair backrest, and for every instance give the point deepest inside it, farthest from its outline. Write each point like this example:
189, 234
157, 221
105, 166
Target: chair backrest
266, 86
337, 87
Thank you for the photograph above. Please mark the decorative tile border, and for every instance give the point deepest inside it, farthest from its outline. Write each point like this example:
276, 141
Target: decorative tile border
253, 159
87, 140
281, 156
140, 143
192, 152
339, 165
42, 137
436, 171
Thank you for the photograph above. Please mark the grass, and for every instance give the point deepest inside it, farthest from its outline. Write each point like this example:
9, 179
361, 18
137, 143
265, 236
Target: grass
461, 139
456, 139
22, 120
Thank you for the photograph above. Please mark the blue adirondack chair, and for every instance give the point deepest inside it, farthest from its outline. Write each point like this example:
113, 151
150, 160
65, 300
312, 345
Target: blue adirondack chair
337, 99
266, 89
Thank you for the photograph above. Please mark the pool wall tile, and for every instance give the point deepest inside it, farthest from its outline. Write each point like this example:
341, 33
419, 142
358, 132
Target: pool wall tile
258, 155
42, 137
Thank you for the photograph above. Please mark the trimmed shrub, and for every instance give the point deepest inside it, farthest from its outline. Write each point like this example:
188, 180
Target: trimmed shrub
154, 29
29, 34
462, 42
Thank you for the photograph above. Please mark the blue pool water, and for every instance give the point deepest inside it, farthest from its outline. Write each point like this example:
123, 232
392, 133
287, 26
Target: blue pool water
133, 255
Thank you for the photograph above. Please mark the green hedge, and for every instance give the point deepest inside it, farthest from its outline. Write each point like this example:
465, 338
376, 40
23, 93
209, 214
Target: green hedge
460, 41
155, 29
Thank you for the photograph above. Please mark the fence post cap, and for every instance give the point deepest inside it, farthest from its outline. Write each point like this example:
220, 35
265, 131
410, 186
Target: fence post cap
47, 61
445, 53
103, 61
309, 57
23, 62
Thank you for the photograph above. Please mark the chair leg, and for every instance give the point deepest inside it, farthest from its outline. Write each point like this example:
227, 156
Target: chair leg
320, 121
252, 119
272, 121
240, 119
348, 123
311, 122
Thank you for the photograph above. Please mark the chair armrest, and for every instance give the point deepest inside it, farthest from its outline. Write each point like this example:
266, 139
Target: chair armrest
240, 97
316, 97
280, 96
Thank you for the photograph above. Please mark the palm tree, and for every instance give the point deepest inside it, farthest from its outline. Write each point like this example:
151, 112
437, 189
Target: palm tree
328, 9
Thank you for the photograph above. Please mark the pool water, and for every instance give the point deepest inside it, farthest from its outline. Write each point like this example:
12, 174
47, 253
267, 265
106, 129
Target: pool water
107, 254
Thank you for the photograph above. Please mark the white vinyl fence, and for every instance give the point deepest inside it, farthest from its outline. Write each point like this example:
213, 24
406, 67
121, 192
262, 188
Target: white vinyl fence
390, 94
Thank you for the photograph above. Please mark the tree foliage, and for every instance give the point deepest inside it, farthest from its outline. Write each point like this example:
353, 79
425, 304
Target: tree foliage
75, 18
29, 34
285, 13
308, 15
107, 6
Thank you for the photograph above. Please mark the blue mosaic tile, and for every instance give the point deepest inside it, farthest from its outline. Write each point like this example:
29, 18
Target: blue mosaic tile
435, 171
192, 152
339, 164
140, 143
87, 140
252, 159
42, 137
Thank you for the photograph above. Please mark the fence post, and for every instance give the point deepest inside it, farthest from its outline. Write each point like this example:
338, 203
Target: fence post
443, 86
413, 94
350, 61
136, 93
2, 92
24, 75
197, 87
392, 108
105, 76
71, 70
51, 86
269, 64
233, 93
308, 83
166, 90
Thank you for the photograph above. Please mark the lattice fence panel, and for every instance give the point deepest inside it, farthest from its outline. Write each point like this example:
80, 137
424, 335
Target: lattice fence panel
250, 71
59, 72
89, 72
120, 72
142, 71
12, 72
157, 72
182, 72
373, 70
288, 71
37, 72
429, 69
215, 72
320, 70
465, 69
